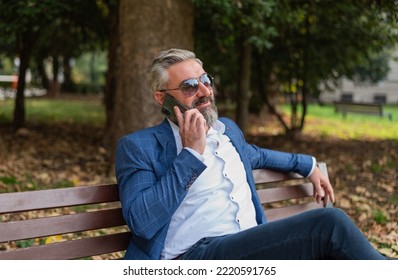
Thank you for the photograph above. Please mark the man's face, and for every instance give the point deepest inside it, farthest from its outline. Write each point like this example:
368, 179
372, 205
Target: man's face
203, 99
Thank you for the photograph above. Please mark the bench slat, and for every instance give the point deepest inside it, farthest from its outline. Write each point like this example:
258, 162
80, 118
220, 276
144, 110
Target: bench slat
266, 176
26, 229
281, 192
44, 199
71, 249
283, 212
284, 193
322, 167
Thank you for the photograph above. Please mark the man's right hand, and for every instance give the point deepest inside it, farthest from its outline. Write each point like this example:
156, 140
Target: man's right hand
192, 128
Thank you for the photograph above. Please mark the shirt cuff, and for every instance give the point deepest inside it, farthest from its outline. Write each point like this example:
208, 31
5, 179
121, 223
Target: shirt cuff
313, 167
196, 154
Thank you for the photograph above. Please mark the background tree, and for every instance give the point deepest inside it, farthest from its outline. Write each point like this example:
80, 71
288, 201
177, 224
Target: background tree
144, 29
22, 22
256, 49
53, 28
237, 28
81, 28
319, 42
111, 77
299, 47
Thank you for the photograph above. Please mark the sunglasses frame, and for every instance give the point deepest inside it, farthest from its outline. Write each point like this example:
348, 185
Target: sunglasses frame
198, 80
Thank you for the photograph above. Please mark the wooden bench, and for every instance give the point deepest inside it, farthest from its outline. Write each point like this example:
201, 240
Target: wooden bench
86, 222
375, 109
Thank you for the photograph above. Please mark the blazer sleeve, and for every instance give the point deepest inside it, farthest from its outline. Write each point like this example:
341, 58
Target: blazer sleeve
151, 186
265, 158
280, 161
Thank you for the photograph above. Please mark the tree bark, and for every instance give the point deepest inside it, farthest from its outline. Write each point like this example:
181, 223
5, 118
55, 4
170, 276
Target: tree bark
144, 29
67, 85
111, 75
243, 94
53, 89
305, 73
25, 48
264, 83
42, 72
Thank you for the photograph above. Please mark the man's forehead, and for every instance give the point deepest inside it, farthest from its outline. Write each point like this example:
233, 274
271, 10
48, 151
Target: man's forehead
185, 70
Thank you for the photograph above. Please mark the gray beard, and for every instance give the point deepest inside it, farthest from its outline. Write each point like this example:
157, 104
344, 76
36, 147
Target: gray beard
210, 113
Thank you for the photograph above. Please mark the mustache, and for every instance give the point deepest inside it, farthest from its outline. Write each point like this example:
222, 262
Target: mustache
202, 100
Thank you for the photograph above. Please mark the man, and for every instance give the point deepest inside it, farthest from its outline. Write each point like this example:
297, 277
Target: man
187, 190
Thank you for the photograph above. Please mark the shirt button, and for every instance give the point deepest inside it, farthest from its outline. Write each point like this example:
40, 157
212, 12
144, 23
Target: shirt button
238, 221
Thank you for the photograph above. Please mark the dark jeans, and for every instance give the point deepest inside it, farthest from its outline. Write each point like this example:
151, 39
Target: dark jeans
326, 233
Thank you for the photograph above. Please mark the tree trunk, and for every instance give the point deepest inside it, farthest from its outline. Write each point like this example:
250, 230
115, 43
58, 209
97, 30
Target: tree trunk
305, 73
67, 85
53, 89
264, 82
144, 29
25, 48
243, 94
111, 76
42, 72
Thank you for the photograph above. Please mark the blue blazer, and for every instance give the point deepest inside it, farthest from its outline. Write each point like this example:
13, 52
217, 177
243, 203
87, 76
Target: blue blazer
153, 180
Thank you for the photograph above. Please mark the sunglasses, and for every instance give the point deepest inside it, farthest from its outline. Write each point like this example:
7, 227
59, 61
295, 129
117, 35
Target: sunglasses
190, 87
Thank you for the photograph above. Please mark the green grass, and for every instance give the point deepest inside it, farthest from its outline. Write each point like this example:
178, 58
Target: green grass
27, 182
324, 122
321, 121
85, 111
380, 217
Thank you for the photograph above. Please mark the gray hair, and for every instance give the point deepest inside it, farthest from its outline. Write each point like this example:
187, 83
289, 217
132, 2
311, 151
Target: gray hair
158, 75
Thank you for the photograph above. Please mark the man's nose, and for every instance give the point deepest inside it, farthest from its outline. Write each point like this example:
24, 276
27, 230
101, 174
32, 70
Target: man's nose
203, 91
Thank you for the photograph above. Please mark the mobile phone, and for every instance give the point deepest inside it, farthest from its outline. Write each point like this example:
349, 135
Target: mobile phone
168, 105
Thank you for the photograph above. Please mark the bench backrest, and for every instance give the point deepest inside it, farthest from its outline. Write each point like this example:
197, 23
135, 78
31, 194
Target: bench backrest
360, 108
52, 214
80, 222
284, 195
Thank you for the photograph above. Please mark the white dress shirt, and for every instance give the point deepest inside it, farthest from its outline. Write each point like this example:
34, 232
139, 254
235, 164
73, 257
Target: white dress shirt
218, 202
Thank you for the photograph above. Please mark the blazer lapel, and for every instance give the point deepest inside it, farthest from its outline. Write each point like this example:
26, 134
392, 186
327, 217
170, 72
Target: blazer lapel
165, 137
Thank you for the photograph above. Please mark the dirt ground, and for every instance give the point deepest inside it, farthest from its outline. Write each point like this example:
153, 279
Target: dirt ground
364, 173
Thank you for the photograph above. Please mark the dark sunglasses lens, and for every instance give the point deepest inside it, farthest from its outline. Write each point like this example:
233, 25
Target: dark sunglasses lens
190, 87
207, 80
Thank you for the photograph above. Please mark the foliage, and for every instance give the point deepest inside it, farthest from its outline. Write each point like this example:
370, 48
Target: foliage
229, 20
6, 65
25, 18
333, 38
21, 23
60, 25
220, 27
300, 47
320, 42
48, 28
372, 71
85, 22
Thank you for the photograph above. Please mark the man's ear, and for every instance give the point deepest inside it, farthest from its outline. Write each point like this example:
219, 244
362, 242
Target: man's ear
159, 97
